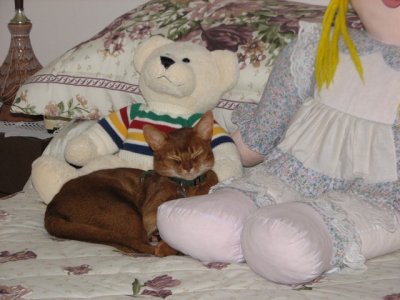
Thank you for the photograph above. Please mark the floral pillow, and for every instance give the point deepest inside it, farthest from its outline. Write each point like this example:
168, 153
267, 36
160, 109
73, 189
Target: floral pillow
97, 76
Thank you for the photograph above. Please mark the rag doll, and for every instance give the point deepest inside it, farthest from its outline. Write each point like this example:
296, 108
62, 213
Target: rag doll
118, 207
323, 189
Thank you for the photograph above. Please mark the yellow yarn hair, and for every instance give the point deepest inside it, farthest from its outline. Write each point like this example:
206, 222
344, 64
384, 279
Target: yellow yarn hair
328, 49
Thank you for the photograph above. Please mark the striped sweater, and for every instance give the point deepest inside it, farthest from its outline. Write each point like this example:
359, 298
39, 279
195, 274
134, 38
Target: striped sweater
125, 127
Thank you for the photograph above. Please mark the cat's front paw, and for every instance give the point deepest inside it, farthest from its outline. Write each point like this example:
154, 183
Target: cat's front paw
163, 249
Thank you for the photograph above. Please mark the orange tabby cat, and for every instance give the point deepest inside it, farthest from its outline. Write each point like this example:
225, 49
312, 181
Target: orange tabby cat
118, 207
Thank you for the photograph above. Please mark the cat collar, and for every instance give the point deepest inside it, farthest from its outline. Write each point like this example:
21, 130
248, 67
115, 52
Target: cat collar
182, 182
189, 183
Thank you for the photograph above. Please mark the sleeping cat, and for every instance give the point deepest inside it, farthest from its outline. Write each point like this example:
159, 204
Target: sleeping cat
118, 207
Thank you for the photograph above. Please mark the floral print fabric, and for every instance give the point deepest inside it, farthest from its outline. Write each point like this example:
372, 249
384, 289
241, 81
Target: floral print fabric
263, 127
97, 76
49, 268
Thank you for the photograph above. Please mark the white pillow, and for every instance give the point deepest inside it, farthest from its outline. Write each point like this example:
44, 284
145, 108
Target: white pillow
98, 76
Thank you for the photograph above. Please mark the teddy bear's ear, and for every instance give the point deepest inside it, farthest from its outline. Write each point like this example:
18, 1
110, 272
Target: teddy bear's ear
228, 67
146, 48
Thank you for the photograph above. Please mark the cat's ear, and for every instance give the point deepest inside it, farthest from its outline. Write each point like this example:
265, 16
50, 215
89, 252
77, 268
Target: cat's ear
154, 137
204, 128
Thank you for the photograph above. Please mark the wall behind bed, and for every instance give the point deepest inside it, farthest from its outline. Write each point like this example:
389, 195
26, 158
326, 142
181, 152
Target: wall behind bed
59, 25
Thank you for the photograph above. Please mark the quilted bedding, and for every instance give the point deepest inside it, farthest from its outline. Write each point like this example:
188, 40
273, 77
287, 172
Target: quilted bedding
34, 265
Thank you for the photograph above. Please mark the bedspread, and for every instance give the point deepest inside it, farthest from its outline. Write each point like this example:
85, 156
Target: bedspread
35, 265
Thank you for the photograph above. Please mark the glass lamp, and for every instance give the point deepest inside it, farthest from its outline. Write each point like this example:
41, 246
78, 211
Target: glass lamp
19, 65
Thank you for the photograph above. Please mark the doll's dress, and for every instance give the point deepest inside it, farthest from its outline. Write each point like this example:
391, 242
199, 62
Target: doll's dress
340, 150
345, 131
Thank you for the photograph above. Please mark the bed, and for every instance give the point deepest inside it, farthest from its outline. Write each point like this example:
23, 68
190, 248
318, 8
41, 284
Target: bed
96, 77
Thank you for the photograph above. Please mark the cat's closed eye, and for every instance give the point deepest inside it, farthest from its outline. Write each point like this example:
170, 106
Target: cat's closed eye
175, 158
196, 154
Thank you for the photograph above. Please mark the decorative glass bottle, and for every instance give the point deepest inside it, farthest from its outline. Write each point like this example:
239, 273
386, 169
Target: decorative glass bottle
19, 64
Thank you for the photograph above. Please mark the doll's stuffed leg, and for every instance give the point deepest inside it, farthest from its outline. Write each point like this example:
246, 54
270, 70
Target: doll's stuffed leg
378, 228
287, 243
206, 227
290, 243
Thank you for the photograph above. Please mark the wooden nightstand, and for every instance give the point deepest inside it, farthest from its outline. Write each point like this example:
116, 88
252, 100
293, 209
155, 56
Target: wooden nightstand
16, 156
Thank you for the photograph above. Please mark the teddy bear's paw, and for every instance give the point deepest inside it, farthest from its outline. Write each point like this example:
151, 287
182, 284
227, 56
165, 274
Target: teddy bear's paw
48, 176
227, 169
105, 162
80, 150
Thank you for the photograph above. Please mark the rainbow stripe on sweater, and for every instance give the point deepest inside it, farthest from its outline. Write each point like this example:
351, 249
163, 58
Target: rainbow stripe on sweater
125, 127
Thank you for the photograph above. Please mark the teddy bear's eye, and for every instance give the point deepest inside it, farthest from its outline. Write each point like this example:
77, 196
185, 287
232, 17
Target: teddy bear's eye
186, 60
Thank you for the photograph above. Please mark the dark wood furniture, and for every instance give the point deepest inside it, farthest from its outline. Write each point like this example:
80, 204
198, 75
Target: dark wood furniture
16, 157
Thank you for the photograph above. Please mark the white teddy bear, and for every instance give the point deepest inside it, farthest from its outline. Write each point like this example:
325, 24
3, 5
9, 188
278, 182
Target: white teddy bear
179, 81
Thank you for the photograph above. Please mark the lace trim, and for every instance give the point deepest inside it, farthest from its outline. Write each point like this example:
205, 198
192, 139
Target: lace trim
302, 58
31, 129
346, 241
256, 192
264, 189
380, 212
338, 211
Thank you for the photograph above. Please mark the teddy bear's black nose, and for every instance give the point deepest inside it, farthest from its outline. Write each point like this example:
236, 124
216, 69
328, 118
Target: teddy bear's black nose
166, 61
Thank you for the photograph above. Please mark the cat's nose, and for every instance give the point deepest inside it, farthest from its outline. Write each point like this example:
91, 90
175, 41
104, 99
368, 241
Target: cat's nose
187, 166
166, 61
